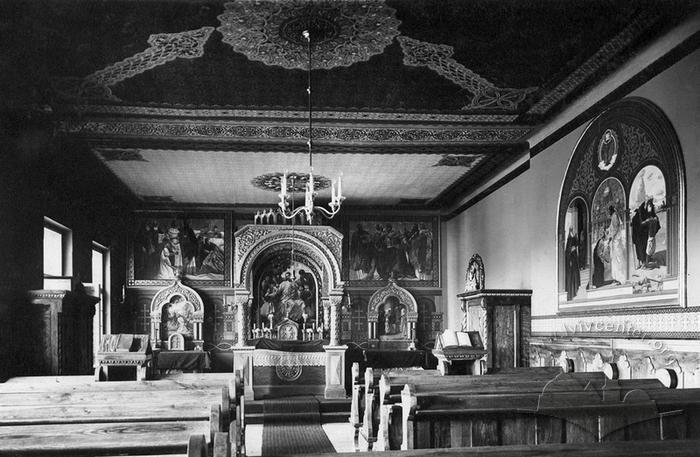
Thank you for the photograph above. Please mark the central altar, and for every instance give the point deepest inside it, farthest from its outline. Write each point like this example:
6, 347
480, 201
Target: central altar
288, 292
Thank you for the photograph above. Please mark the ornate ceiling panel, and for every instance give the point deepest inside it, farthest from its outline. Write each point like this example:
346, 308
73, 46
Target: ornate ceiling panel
222, 177
191, 101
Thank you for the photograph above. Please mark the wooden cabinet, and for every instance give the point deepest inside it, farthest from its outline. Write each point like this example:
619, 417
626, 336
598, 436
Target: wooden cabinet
56, 333
502, 317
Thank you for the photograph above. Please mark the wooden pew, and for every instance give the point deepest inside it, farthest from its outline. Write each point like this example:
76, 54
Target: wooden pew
373, 396
673, 448
152, 417
596, 384
558, 417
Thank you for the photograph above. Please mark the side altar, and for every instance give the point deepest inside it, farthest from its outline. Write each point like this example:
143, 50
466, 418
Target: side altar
288, 291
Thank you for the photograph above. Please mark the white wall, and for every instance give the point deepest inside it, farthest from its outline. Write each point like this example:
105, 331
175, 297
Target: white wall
514, 228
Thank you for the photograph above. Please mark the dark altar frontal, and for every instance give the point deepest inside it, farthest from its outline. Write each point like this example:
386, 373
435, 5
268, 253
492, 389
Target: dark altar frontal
288, 367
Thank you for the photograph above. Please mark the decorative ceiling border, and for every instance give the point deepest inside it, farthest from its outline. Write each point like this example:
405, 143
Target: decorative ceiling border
634, 30
265, 113
230, 130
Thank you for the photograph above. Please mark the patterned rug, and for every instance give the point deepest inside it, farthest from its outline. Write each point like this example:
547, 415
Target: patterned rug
292, 426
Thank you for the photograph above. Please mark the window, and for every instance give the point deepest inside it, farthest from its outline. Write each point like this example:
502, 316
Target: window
620, 236
58, 254
100, 284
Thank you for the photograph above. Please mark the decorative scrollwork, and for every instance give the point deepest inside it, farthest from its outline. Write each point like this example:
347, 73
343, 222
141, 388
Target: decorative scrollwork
438, 57
164, 48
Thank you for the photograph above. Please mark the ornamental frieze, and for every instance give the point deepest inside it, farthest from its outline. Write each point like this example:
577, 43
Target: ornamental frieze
331, 134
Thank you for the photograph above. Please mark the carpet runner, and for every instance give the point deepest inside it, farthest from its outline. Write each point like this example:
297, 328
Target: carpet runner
293, 426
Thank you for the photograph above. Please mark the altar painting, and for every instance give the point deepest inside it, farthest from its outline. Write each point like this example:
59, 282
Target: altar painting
284, 290
398, 249
178, 316
190, 248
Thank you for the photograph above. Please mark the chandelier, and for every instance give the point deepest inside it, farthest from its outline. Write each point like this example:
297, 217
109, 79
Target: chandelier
309, 208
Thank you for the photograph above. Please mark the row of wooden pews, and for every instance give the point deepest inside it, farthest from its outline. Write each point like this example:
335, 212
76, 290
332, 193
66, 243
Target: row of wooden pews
530, 406
195, 415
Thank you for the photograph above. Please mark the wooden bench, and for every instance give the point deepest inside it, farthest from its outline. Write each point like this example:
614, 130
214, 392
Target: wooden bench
364, 414
563, 417
392, 383
595, 384
674, 448
155, 417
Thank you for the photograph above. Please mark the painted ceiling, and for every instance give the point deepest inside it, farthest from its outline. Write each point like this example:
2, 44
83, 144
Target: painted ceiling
417, 100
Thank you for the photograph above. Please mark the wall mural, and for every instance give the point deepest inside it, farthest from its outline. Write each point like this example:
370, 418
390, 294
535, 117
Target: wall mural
619, 214
405, 250
193, 249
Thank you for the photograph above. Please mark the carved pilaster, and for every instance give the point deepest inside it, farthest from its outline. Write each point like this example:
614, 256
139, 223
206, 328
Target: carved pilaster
242, 306
335, 301
326, 313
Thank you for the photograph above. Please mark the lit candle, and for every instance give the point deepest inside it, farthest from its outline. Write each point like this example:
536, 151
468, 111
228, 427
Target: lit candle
333, 196
340, 184
283, 185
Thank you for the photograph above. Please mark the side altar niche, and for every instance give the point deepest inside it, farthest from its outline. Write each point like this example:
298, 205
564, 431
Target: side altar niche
275, 351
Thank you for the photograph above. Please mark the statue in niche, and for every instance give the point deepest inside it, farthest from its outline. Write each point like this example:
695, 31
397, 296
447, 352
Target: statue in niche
475, 274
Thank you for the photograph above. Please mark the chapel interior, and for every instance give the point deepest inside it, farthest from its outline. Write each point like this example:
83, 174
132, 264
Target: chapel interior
315, 227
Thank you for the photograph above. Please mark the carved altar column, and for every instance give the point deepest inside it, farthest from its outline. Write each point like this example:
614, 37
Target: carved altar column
335, 301
242, 353
335, 353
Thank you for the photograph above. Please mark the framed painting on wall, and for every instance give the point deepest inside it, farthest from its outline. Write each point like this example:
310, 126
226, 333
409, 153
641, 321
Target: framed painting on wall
404, 249
193, 247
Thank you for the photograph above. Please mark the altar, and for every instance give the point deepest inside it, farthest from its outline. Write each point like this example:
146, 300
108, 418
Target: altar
288, 291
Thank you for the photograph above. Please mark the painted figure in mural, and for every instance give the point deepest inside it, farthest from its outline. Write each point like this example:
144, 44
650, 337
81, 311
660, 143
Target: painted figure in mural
617, 247
421, 252
640, 234
652, 225
361, 252
571, 274
213, 248
170, 266
189, 249
600, 258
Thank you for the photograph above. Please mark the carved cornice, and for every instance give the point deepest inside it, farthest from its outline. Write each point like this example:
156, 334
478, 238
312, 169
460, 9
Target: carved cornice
237, 130
594, 64
276, 114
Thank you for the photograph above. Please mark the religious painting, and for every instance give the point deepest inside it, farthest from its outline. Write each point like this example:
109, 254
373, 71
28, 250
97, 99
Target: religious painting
392, 320
649, 237
402, 249
177, 318
166, 247
284, 290
620, 217
609, 235
576, 249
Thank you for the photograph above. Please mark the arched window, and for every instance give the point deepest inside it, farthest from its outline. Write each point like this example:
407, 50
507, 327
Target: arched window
621, 239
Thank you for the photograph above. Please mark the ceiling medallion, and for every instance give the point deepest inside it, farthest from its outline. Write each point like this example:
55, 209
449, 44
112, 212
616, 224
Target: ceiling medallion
296, 182
343, 33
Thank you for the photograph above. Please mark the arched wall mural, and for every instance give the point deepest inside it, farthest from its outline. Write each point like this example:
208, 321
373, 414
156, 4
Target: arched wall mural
621, 219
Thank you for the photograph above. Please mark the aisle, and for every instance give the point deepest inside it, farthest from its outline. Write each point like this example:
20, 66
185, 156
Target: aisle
293, 426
